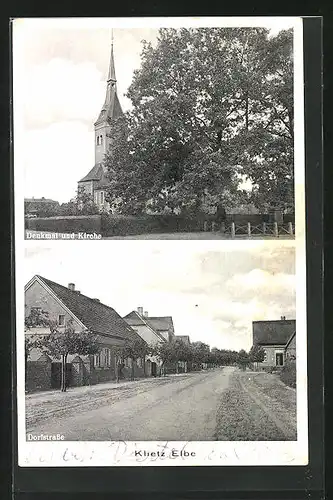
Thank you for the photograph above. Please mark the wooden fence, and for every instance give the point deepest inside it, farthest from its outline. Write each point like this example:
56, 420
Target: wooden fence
233, 230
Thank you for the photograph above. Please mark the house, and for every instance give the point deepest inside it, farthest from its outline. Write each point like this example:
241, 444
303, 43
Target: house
95, 181
277, 338
183, 338
64, 306
40, 207
153, 330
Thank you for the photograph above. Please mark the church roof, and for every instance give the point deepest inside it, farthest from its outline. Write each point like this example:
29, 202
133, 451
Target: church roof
95, 173
111, 110
98, 317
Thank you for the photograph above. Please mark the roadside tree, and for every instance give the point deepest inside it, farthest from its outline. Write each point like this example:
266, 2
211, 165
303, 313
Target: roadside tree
60, 344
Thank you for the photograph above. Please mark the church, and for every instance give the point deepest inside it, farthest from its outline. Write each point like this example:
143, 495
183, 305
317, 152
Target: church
95, 182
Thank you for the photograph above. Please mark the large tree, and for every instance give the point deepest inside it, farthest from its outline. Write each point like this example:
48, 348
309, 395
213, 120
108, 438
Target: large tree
209, 107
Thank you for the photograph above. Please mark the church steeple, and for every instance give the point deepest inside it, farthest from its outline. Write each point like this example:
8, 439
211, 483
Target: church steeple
110, 111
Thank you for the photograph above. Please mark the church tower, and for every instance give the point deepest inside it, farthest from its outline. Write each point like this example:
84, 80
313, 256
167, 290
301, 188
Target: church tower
110, 111
95, 182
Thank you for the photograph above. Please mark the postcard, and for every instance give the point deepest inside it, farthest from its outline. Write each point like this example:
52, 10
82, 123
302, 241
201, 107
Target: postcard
160, 241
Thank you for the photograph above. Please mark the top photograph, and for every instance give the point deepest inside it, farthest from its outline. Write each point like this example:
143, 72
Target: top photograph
181, 131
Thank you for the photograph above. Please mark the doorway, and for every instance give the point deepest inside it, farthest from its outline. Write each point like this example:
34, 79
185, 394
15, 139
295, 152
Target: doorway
153, 369
279, 359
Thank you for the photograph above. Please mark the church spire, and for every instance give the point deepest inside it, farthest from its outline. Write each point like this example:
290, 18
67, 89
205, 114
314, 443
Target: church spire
112, 71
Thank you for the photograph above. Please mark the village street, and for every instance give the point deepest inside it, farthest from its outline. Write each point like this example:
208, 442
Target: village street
222, 404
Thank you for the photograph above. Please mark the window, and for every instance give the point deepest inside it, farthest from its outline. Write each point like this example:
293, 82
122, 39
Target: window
265, 355
97, 360
61, 320
108, 357
97, 140
101, 139
102, 197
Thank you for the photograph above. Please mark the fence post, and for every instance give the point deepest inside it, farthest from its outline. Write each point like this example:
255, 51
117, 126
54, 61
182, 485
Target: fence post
290, 228
205, 226
276, 230
222, 227
233, 232
213, 226
249, 229
264, 227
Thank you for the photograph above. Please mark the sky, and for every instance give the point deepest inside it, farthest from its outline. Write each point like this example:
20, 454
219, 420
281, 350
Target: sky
60, 69
213, 293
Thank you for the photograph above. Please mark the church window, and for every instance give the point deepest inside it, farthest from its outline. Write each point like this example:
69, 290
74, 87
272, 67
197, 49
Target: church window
102, 197
101, 139
97, 141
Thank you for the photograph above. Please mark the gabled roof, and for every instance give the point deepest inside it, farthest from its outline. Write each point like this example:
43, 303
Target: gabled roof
291, 338
161, 323
97, 317
183, 338
95, 174
273, 332
134, 319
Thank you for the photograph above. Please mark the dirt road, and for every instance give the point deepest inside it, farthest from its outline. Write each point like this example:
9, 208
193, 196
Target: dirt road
189, 407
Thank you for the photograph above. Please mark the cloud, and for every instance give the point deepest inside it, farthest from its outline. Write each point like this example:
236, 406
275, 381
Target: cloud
216, 306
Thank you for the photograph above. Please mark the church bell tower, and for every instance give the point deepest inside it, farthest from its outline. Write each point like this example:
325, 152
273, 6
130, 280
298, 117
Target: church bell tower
110, 111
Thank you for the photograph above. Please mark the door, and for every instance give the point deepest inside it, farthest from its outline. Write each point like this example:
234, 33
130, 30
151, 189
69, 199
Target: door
279, 359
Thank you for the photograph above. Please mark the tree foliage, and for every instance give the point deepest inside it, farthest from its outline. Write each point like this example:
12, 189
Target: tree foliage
209, 107
60, 344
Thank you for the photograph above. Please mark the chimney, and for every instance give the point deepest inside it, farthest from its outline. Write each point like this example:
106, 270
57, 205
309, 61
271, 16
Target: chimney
71, 286
140, 311
283, 318
96, 300
145, 314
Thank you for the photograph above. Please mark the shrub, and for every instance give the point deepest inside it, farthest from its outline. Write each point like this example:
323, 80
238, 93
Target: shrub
288, 373
122, 225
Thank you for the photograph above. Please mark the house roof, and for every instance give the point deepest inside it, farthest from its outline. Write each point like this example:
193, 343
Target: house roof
291, 338
183, 338
40, 200
276, 332
97, 317
134, 319
161, 323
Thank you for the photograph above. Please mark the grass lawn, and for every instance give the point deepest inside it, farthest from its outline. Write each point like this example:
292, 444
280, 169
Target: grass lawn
256, 407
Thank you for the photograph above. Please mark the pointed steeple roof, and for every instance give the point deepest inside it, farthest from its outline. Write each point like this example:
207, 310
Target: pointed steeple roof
111, 108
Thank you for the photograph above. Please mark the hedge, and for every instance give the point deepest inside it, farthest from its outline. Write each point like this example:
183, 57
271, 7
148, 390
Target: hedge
123, 225
288, 373
66, 224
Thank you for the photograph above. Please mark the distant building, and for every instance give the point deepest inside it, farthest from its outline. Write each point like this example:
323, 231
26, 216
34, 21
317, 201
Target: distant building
64, 304
277, 338
183, 338
96, 181
39, 207
153, 330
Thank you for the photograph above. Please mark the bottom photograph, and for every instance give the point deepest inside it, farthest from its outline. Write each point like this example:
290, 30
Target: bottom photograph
151, 341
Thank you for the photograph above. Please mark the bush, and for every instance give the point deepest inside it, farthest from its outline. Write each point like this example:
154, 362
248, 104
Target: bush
66, 224
288, 373
123, 225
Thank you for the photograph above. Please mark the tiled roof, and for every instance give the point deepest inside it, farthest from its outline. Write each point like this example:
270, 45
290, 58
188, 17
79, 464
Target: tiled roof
95, 174
96, 316
161, 323
134, 319
273, 332
183, 338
